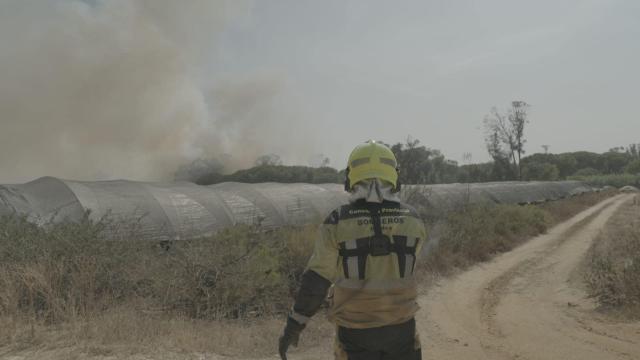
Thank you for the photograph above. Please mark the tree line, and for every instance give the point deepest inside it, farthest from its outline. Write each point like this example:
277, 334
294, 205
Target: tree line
505, 142
422, 165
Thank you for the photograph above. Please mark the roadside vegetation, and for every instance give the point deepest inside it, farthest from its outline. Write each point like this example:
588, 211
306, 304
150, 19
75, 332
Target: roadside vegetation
476, 233
615, 180
66, 276
209, 295
613, 263
64, 271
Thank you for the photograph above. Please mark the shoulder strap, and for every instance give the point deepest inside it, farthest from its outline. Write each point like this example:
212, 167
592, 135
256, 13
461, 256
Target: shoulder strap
379, 243
375, 220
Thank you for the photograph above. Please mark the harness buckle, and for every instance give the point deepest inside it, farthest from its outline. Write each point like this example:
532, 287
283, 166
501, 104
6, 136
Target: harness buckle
379, 245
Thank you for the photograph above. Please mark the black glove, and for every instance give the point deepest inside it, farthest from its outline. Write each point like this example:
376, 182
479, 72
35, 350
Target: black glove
290, 336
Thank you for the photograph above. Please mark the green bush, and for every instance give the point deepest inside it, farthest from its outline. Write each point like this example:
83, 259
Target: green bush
540, 172
588, 171
633, 167
616, 180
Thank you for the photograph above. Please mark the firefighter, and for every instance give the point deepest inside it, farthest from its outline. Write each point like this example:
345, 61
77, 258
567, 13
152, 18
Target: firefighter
367, 250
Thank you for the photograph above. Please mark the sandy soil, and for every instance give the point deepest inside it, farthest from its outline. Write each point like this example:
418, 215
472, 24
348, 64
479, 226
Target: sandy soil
528, 303
525, 304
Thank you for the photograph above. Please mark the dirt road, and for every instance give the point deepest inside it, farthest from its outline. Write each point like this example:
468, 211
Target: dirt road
528, 304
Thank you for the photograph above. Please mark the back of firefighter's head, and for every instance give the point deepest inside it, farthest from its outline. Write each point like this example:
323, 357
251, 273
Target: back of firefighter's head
369, 161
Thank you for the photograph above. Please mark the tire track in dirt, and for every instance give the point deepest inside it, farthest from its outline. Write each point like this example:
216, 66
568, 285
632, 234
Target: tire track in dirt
497, 287
521, 305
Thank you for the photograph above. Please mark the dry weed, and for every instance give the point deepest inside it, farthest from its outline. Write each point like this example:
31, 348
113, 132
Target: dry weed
613, 273
63, 285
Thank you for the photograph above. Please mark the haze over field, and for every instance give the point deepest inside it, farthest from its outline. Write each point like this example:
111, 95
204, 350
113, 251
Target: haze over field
105, 89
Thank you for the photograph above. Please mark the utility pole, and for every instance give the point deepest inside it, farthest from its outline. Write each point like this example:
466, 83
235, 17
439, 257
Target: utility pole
546, 148
466, 158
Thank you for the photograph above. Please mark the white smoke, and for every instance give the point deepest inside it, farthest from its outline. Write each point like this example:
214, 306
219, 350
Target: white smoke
92, 89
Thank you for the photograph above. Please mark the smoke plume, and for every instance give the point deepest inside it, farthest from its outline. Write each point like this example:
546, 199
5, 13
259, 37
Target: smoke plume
105, 89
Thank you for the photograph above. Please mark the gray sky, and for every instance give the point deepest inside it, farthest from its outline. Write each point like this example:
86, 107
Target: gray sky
433, 69
133, 88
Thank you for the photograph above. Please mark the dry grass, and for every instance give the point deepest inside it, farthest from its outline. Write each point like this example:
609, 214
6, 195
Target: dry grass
63, 286
613, 263
68, 271
125, 330
476, 233
560, 211
202, 294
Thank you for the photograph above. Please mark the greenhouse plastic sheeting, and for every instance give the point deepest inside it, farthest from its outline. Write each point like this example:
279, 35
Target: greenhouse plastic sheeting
174, 211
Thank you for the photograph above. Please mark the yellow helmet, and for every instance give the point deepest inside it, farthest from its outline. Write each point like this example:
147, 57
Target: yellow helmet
372, 160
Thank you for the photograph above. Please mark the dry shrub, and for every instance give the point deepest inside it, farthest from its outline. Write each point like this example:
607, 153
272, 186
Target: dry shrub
241, 272
66, 279
66, 271
59, 271
185, 294
474, 233
478, 232
613, 262
562, 210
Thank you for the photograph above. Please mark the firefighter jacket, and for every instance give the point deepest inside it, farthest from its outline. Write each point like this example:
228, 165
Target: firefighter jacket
368, 252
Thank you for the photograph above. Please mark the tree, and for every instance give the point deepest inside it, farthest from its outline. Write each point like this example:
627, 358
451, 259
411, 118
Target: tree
633, 167
319, 160
200, 171
473, 173
421, 165
508, 129
566, 164
286, 174
413, 161
325, 174
587, 159
268, 159
615, 161
501, 167
540, 171
442, 170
